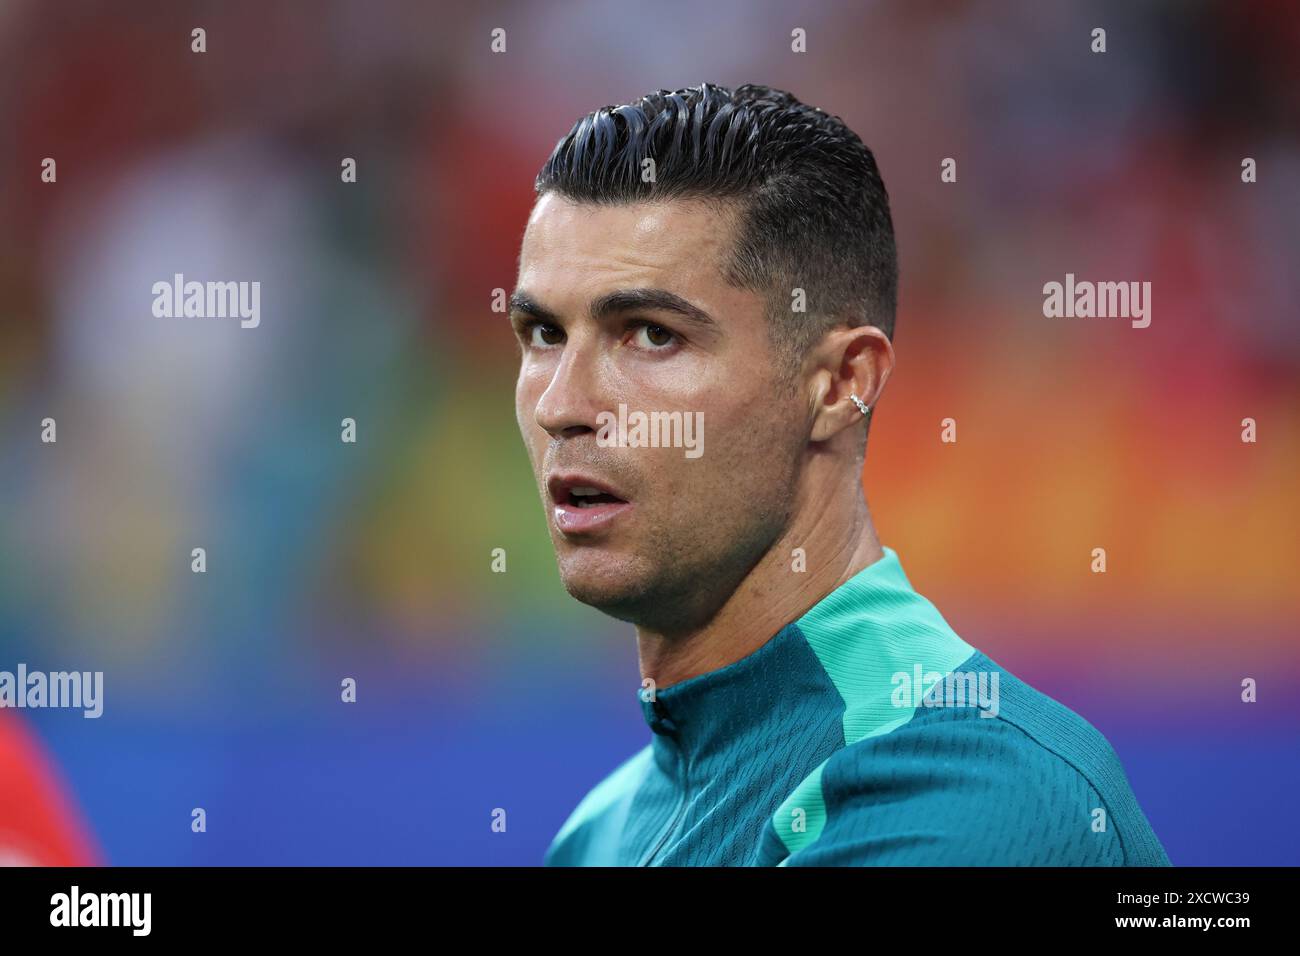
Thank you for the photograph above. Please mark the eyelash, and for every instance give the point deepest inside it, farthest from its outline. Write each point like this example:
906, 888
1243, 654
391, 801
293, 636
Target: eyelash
526, 333
669, 347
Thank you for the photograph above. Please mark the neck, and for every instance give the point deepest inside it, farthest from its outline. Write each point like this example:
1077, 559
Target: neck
837, 542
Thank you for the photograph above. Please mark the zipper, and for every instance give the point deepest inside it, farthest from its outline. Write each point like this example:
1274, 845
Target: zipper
677, 814
672, 824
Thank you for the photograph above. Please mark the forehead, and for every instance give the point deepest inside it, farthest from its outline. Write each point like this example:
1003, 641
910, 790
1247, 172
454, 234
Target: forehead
584, 249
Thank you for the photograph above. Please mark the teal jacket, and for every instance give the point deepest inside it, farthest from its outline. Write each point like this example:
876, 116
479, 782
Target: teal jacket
864, 733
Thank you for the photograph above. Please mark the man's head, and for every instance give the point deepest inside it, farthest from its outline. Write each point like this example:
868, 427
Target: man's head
700, 251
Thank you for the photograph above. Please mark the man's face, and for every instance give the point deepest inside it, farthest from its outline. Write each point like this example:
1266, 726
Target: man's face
670, 536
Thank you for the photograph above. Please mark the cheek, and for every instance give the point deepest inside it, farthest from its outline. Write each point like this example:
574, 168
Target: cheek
749, 439
529, 388
739, 448
521, 400
528, 392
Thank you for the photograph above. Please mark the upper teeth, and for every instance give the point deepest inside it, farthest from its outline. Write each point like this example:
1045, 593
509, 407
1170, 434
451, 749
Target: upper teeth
587, 491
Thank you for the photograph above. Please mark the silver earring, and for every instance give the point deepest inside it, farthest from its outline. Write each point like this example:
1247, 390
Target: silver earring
863, 407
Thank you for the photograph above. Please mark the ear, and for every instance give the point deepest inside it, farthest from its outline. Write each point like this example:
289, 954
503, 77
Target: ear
847, 361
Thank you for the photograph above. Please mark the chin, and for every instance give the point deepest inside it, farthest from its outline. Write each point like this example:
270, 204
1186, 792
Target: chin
609, 583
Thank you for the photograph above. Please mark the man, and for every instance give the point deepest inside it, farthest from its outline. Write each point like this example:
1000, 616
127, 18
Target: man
727, 258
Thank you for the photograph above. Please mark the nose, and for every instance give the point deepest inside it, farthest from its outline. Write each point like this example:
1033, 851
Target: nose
571, 402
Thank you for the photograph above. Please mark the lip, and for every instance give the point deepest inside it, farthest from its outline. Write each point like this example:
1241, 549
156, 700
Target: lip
570, 519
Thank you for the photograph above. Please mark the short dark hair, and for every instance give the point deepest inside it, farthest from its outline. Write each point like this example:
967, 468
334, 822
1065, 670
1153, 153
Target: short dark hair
814, 213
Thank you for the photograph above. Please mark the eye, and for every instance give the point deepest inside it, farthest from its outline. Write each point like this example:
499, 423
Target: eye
543, 335
653, 338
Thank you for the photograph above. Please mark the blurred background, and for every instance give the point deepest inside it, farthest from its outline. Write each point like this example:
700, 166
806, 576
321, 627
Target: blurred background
476, 690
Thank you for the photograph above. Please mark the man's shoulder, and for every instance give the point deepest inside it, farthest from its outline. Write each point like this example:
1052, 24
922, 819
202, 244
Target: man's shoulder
590, 834
988, 771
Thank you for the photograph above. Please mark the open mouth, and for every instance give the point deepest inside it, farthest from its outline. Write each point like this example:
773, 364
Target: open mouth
582, 504
588, 497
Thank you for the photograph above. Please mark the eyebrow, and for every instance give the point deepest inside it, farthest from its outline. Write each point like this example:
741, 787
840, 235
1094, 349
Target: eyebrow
622, 300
